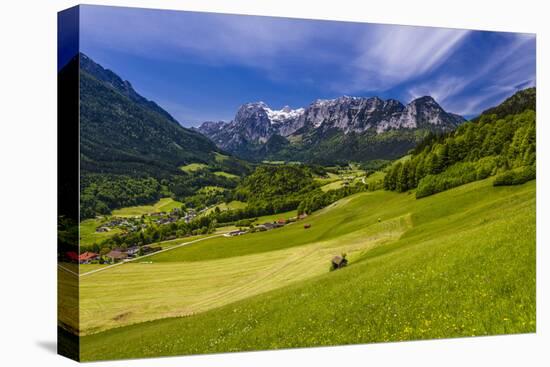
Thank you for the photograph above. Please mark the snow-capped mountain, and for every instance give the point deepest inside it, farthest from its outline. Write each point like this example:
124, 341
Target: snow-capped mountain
256, 123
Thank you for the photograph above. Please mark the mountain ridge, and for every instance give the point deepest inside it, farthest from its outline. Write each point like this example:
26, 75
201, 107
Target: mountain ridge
124, 133
256, 125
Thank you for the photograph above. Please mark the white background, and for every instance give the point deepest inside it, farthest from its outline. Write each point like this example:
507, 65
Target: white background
28, 181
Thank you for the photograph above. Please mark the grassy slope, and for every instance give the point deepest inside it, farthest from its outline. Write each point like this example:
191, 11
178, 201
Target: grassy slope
462, 269
225, 174
235, 204
193, 167
163, 205
88, 234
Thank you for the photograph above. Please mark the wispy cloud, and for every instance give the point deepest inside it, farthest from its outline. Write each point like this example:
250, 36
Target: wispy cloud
390, 55
292, 61
491, 77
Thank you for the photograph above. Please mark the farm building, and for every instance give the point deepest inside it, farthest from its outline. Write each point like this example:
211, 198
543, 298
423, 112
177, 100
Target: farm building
132, 251
237, 232
268, 226
339, 262
86, 257
117, 255
150, 249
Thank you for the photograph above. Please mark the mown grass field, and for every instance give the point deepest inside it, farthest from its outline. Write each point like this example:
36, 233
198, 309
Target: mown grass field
163, 205
458, 263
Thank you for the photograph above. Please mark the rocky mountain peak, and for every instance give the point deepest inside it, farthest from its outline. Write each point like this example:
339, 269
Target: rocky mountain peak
256, 123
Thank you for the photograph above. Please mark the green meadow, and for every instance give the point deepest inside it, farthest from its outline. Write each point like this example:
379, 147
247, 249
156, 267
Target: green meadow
235, 204
163, 205
88, 234
194, 167
226, 174
458, 263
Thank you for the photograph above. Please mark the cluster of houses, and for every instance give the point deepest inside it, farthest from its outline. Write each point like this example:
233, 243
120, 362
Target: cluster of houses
113, 256
269, 226
129, 224
175, 215
135, 223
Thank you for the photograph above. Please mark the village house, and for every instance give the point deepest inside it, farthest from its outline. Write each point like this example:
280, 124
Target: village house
132, 251
237, 232
150, 249
302, 216
87, 257
117, 255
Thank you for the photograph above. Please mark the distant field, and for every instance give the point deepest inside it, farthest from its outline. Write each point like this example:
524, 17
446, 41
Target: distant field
332, 186
331, 177
220, 157
225, 174
193, 167
274, 217
210, 189
375, 177
89, 236
235, 204
419, 269
163, 205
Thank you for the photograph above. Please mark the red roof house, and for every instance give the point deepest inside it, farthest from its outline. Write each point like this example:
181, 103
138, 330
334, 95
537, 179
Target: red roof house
87, 256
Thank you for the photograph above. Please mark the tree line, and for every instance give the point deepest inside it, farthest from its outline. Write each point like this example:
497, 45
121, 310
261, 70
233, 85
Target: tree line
476, 150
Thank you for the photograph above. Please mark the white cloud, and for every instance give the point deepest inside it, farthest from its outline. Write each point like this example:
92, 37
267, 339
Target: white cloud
394, 54
493, 78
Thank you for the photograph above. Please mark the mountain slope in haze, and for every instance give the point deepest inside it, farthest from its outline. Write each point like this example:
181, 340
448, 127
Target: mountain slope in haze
122, 132
341, 129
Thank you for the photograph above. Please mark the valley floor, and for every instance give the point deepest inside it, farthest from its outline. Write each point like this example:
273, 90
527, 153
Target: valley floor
458, 263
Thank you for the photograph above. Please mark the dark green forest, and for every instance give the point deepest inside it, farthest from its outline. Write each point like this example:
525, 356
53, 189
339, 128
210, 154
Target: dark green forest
131, 149
501, 142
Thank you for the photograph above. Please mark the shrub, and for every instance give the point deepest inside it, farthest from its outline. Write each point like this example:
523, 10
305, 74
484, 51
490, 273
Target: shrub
456, 175
516, 176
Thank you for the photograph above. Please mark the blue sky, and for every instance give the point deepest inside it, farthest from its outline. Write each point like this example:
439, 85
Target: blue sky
203, 66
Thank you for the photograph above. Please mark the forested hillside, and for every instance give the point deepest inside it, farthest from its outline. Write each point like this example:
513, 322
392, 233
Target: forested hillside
131, 150
499, 142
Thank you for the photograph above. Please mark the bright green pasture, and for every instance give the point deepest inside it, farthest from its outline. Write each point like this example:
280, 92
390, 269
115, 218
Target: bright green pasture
332, 186
274, 217
88, 234
457, 263
235, 204
225, 174
211, 190
163, 205
192, 167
